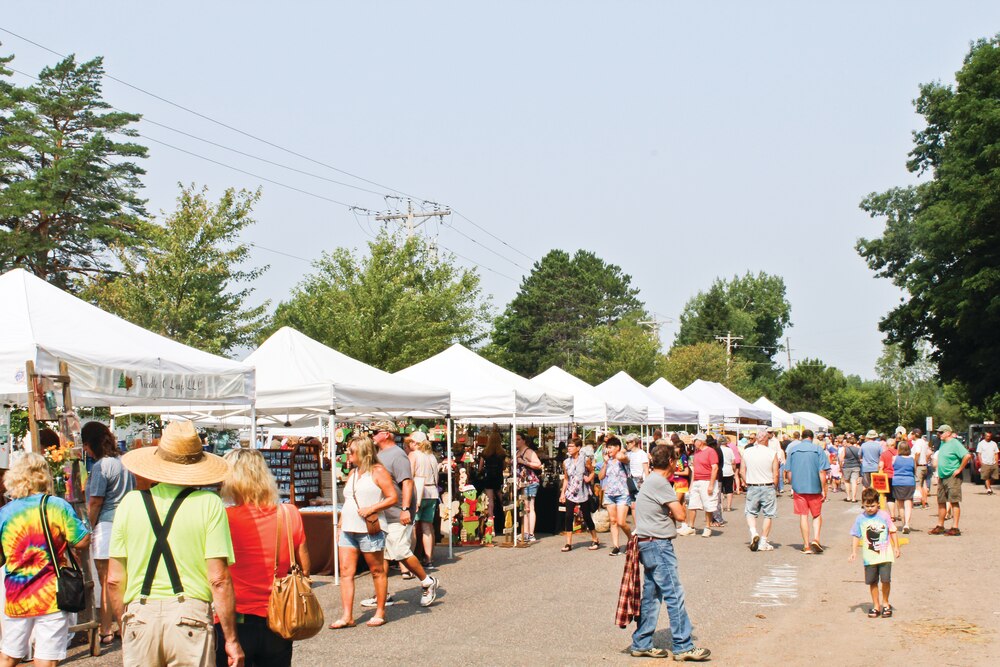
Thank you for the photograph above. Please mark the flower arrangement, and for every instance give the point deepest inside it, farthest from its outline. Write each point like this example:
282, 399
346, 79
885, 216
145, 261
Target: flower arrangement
60, 459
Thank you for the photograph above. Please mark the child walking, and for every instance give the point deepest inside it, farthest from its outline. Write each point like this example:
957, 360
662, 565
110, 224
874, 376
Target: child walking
876, 533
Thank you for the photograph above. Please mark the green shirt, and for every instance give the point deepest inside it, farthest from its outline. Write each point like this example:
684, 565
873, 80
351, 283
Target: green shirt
950, 457
200, 531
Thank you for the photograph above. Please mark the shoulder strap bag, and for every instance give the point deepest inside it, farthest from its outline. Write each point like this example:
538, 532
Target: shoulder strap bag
71, 591
293, 612
161, 548
371, 521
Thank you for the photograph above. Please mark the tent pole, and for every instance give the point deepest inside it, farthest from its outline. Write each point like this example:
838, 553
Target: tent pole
253, 424
333, 494
513, 469
451, 519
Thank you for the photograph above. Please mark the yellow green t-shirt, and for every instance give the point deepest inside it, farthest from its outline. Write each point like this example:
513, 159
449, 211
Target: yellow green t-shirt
200, 531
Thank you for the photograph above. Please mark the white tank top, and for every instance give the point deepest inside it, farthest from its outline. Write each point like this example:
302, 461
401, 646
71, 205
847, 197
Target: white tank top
368, 494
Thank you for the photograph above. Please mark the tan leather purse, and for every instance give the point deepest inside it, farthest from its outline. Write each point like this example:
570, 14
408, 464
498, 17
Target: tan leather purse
293, 612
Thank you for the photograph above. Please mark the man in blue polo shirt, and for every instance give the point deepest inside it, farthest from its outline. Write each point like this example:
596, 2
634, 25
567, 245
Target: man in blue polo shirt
807, 464
871, 451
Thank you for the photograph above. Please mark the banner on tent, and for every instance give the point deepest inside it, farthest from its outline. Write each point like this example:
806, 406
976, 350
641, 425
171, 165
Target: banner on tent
155, 384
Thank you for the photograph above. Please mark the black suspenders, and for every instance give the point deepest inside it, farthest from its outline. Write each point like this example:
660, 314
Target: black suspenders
161, 548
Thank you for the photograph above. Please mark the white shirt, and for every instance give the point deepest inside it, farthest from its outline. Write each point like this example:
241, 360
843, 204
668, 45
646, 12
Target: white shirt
775, 446
759, 461
919, 449
987, 450
727, 461
636, 457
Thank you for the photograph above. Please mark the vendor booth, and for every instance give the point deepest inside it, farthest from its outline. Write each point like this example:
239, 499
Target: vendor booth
623, 387
679, 408
720, 405
812, 421
58, 352
779, 418
484, 393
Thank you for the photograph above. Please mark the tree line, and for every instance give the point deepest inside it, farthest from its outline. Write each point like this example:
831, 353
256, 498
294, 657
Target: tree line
71, 212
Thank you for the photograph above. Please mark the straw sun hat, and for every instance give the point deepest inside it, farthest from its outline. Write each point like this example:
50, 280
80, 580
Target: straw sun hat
179, 459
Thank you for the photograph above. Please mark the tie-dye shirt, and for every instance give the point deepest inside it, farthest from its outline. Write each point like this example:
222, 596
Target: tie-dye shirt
31, 579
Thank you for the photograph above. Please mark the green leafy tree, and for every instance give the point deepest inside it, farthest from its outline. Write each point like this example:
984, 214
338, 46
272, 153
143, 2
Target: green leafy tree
752, 306
186, 283
914, 385
558, 304
807, 385
941, 242
623, 346
390, 308
68, 180
860, 405
704, 361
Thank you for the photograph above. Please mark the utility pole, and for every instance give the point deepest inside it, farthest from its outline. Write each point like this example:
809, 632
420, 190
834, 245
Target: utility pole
410, 217
729, 338
788, 349
654, 325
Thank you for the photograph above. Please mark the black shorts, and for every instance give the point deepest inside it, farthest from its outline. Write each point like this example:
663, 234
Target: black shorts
727, 484
879, 572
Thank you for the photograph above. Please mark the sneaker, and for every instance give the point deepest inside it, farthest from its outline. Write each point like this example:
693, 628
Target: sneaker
650, 653
707, 532
693, 655
685, 530
615, 551
430, 567
765, 546
755, 543
430, 593
906, 530
532, 538
371, 602
936, 530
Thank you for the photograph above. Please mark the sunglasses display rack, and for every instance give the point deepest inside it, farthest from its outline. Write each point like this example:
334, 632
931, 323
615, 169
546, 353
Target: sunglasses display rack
297, 471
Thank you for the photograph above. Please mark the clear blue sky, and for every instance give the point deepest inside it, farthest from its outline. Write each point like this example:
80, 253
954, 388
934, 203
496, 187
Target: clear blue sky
682, 141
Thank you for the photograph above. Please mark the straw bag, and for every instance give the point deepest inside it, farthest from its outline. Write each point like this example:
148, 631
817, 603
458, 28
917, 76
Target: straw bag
293, 612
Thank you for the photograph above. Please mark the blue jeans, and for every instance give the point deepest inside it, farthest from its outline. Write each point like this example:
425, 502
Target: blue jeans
661, 581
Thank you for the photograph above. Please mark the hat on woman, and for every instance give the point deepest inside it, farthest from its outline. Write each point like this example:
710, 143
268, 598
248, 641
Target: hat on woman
179, 459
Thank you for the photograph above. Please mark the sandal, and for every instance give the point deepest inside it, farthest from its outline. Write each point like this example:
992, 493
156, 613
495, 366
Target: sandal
108, 639
340, 624
375, 622
566, 547
886, 612
406, 575
874, 613
594, 546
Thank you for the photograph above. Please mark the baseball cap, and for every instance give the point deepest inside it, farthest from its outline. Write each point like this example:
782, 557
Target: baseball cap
700, 436
632, 437
418, 436
385, 425
944, 428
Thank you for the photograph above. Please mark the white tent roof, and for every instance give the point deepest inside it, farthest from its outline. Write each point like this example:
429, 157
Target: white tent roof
680, 409
623, 388
779, 417
812, 421
111, 361
720, 402
299, 379
482, 390
589, 407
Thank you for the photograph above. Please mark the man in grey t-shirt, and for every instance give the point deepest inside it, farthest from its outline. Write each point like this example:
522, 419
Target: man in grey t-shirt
656, 509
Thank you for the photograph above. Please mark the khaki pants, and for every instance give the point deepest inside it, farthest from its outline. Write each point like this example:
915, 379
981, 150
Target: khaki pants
173, 632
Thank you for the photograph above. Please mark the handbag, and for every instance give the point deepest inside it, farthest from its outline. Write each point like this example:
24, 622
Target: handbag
71, 591
293, 612
371, 521
633, 488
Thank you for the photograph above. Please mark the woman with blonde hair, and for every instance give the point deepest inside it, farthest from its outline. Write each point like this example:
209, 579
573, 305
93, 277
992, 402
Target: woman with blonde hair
425, 466
30, 581
253, 526
369, 490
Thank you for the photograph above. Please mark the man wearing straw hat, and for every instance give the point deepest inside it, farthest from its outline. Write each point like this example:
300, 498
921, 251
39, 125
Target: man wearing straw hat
170, 556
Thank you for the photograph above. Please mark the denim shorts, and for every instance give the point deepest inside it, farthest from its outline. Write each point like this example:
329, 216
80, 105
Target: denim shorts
610, 499
531, 491
761, 500
363, 542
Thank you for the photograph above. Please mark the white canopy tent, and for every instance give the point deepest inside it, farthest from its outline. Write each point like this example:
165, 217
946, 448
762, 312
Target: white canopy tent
779, 417
812, 421
623, 388
111, 361
679, 408
481, 392
589, 406
721, 404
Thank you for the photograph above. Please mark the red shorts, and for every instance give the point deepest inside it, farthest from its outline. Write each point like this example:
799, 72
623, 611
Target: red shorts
808, 503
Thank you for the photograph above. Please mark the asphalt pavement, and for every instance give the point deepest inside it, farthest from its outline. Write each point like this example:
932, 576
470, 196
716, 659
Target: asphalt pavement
539, 606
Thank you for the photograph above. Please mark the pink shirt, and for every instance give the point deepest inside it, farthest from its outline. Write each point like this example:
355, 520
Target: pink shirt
704, 459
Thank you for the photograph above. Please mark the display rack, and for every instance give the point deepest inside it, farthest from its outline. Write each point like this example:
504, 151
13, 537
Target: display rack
297, 471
